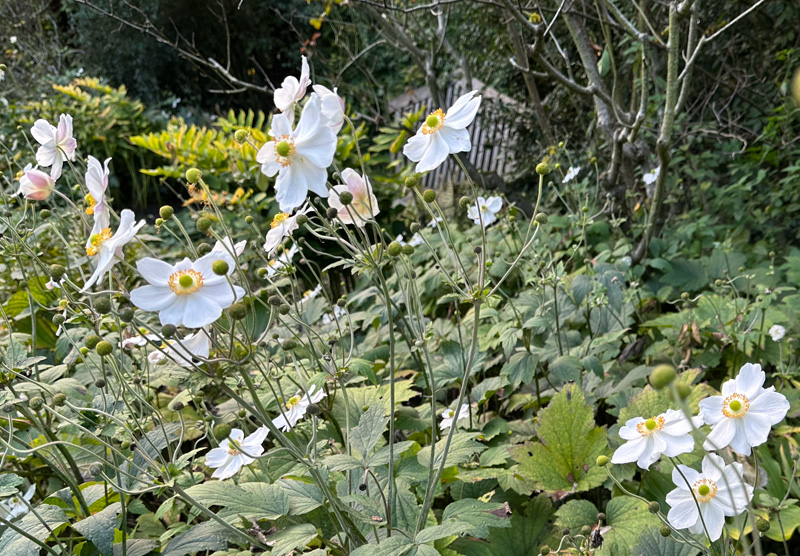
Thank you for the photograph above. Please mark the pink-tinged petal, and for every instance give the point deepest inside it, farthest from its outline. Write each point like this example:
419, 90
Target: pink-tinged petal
714, 519
463, 111
711, 410
305, 78
155, 271
153, 298
683, 515
417, 146
44, 133
750, 380
630, 451
689, 476
200, 311
721, 435
356, 184
436, 154
64, 129
772, 405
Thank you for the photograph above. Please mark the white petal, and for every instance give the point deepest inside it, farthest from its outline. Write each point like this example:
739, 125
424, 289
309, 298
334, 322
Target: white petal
721, 435
152, 298
713, 467
463, 111
677, 445
494, 204
684, 514
772, 405
630, 451
173, 313
286, 94
155, 271
229, 468
315, 177
629, 430
714, 519
200, 311
750, 380
457, 139
44, 133
417, 146
711, 410
216, 457
435, 154
204, 265
689, 476
757, 427
291, 188
318, 147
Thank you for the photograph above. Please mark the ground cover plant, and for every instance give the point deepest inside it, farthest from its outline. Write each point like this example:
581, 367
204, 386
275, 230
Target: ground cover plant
265, 333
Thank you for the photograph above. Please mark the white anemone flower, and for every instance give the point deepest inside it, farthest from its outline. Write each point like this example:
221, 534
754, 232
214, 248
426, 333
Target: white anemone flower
443, 133
484, 212
187, 294
650, 177
226, 245
571, 174
719, 491
292, 89
35, 185
299, 156
282, 227
435, 222
97, 184
235, 452
296, 408
57, 143
15, 506
282, 260
364, 205
338, 312
647, 439
777, 332
2, 74
745, 412
449, 416
108, 247
332, 107
196, 345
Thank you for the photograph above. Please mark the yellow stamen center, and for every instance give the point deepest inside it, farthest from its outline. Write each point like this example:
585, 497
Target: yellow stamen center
96, 240
91, 202
735, 406
279, 219
185, 282
705, 490
433, 122
233, 449
654, 424
284, 149
292, 402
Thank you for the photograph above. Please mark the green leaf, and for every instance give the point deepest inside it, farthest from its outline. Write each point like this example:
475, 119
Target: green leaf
462, 448
396, 546
653, 543
575, 514
627, 517
521, 368
686, 275
524, 535
568, 449
478, 515
249, 500
99, 528
208, 535
446, 529
303, 497
136, 547
14, 544
365, 436
287, 540
566, 368
9, 483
